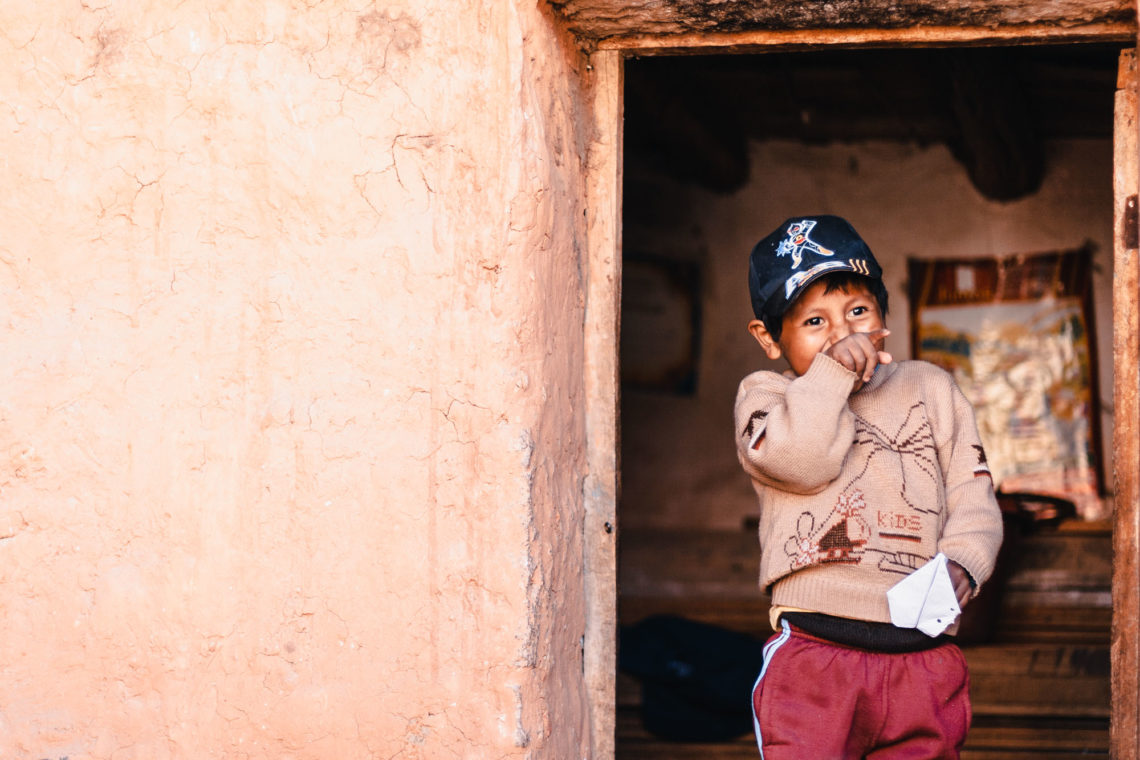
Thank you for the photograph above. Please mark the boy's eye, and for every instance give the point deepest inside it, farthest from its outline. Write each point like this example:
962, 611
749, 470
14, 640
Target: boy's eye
813, 321
859, 311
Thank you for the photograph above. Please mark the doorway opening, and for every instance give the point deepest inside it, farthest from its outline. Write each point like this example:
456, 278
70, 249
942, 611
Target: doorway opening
931, 154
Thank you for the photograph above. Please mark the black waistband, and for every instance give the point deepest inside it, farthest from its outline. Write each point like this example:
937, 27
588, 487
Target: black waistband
863, 634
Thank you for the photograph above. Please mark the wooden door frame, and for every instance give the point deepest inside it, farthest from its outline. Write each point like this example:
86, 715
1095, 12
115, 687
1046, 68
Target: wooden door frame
604, 175
1125, 720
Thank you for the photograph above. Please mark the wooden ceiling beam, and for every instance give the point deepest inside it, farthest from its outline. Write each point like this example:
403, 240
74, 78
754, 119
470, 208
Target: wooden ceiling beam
997, 141
684, 129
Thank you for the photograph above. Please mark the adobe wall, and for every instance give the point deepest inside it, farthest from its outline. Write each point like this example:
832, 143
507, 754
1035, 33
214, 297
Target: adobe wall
290, 460
679, 467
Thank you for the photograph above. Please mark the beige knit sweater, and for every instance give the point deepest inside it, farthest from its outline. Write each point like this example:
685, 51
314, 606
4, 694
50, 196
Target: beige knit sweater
858, 490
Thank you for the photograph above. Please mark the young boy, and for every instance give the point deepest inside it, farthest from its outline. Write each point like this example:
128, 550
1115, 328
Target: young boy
865, 469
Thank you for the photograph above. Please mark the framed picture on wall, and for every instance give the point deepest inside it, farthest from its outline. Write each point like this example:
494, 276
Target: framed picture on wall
1017, 334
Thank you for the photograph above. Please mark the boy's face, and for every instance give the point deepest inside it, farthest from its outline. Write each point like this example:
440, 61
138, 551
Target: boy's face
817, 320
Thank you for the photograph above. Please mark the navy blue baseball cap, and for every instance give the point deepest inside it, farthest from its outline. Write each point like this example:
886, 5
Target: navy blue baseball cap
796, 254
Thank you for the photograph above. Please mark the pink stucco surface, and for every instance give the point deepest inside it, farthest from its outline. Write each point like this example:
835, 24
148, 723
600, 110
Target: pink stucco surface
291, 319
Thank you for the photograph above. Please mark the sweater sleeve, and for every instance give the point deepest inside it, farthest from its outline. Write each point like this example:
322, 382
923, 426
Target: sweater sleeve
795, 434
972, 532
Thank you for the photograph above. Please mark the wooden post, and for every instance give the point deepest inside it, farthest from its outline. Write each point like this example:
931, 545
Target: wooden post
1125, 732
603, 312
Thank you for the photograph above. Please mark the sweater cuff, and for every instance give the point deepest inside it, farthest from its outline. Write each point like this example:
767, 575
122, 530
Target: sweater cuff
827, 372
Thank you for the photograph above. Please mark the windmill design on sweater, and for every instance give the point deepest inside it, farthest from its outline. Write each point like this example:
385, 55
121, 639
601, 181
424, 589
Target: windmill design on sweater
906, 456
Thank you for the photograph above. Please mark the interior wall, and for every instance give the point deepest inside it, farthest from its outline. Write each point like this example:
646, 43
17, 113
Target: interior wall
291, 425
679, 467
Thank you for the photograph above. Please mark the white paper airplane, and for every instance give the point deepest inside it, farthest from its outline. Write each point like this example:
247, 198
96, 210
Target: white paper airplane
925, 599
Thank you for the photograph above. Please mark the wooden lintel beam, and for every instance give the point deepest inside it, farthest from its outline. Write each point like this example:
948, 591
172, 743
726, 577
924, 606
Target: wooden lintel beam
609, 19
692, 43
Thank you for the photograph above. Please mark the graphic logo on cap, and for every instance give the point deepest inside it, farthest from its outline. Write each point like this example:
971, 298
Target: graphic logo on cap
799, 240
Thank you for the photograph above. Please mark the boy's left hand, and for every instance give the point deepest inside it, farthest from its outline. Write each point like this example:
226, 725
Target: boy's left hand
861, 353
961, 582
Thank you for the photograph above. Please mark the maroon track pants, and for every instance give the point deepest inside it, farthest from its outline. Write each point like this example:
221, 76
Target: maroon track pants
815, 700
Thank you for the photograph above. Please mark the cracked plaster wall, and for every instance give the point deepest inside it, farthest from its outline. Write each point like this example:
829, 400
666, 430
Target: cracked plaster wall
290, 441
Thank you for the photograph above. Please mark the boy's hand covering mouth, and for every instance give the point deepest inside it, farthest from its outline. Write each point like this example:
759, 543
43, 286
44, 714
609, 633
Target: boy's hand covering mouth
861, 353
